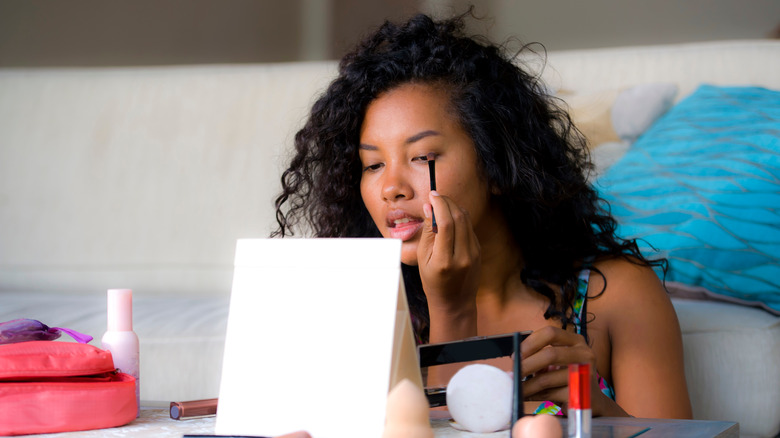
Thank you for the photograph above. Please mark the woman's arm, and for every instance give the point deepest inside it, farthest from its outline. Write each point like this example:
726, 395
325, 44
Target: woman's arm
449, 263
647, 370
639, 348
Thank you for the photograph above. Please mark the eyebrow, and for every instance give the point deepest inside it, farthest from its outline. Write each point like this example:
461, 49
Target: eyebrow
421, 135
416, 137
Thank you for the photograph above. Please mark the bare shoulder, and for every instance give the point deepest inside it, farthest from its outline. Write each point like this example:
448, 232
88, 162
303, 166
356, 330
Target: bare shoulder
623, 284
630, 299
644, 335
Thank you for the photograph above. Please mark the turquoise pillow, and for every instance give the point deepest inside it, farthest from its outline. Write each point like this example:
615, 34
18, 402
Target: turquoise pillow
702, 186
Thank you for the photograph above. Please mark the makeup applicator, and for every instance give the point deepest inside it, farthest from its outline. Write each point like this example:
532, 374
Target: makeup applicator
432, 171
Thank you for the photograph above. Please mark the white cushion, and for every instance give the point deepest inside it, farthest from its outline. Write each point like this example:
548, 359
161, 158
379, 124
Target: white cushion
731, 364
636, 108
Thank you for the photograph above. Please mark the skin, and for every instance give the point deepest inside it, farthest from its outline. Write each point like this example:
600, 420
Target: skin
471, 276
299, 434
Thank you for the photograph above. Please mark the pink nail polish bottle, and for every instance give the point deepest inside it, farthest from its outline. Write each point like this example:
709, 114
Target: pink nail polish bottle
120, 339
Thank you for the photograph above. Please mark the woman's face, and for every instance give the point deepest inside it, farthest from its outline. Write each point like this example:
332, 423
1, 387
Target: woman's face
401, 127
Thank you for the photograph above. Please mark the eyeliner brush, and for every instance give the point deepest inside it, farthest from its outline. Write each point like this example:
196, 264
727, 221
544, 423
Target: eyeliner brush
432, 171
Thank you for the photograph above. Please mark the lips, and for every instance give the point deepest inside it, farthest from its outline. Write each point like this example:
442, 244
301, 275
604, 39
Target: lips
402, 225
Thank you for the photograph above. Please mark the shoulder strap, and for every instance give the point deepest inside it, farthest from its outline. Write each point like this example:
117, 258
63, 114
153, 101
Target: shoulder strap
581, 303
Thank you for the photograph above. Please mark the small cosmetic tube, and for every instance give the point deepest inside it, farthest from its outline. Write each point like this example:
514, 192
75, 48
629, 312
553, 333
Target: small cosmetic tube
193, 409
579, 401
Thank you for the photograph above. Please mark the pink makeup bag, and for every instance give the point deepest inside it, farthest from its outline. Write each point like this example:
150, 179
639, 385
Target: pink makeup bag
49, 386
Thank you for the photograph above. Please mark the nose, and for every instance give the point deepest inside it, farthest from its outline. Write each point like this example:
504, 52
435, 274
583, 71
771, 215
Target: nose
395, 183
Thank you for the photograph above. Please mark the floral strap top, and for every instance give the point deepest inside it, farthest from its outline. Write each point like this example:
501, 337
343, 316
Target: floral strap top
579, 324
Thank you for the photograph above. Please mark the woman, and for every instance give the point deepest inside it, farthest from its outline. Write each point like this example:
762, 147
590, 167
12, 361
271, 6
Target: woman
523, 242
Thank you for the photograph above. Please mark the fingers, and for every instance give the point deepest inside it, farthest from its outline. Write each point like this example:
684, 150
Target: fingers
439, 243
545, 336
425, 247
547, 385
455, 238
560, 356
443, 209
546, 354
549, 336
449, 260
553, 385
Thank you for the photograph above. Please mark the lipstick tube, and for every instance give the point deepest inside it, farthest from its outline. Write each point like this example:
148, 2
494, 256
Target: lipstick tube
193, 409
579, 401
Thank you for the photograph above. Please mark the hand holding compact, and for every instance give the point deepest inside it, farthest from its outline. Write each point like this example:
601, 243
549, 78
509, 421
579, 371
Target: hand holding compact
546, 354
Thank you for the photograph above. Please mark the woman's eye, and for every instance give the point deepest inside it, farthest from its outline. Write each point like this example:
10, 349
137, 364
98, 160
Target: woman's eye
420, 158
372, 167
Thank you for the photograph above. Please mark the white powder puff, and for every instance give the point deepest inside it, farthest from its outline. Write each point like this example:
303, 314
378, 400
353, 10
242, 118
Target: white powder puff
479, 398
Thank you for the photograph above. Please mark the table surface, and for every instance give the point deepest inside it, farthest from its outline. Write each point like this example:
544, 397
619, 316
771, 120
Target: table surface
156, 422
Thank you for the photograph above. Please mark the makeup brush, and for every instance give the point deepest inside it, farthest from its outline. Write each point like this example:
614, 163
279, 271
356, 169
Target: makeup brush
432, 171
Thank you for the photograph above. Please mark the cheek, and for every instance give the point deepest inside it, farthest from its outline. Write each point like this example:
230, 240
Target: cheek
370, 200
468, 191
363, 192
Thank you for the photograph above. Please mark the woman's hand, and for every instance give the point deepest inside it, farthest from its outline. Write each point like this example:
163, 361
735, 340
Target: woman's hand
546, 354
449, 262
449, 259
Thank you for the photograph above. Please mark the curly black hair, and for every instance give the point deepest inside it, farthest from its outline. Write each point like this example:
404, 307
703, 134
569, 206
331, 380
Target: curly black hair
534, 160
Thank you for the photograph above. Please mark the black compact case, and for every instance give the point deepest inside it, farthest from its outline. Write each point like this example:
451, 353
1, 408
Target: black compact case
471, 349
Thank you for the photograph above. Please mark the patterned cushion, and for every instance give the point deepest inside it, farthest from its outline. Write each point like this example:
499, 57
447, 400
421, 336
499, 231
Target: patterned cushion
702, 186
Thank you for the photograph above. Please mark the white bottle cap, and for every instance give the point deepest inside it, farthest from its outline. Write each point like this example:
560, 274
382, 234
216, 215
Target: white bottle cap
120, 310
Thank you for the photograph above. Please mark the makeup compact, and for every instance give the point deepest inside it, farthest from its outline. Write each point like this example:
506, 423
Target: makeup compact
472, 349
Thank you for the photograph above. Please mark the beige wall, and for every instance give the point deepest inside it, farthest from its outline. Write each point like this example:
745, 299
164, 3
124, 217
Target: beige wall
149, 32
575, 24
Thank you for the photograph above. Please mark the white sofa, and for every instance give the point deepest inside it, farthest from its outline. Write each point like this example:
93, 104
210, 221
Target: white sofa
144, 177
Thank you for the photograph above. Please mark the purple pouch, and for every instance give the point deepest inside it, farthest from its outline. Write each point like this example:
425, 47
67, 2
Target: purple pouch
23, 330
